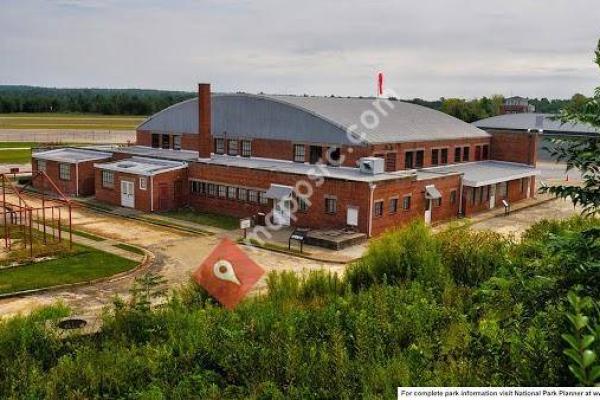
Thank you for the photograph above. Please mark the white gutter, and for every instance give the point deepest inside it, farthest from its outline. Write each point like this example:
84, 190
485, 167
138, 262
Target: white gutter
460, 195
370, 211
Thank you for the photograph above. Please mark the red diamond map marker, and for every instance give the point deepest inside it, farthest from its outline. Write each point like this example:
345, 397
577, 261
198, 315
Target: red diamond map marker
228, 273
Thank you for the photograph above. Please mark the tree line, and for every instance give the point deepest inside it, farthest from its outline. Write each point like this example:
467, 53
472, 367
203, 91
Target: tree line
29, 99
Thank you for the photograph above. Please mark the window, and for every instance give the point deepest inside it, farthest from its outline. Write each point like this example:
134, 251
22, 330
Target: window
41, 165
64, 172
252, 196
457, 154
219, 146
143, 183
501, 189
222, 191
177, 142
453, 197
406, 202
165, 141
419, 159
242, 194
299, 150
330, 205
390, 162
435, 157
486, 193
108, 179
231, 193
302, 204
197, 187
437, 202
262, 198
473, 195
246, 148
408, 160
477, 153
393, 205
232, 147
378, 208
211, 189
485, 152
444, 156
155, 140
466, 151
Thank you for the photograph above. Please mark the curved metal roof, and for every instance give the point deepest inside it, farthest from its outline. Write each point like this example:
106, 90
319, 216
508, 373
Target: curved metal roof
526, 121
314, 119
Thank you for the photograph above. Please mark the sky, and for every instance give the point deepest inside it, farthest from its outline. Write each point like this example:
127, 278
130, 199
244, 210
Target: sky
425, 48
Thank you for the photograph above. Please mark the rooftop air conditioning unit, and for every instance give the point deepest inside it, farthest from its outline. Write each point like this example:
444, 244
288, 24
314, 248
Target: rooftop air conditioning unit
371, 165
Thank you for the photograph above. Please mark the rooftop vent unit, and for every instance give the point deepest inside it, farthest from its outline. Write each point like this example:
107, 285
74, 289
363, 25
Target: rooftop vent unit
371, 165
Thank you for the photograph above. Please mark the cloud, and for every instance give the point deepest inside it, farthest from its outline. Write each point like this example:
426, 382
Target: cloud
427, 49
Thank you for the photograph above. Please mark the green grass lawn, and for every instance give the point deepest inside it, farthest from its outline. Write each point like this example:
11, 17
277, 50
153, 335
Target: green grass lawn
15, 156
69, 121
84, 265
216, 220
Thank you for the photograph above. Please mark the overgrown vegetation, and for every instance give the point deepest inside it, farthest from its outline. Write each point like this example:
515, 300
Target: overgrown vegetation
457, 308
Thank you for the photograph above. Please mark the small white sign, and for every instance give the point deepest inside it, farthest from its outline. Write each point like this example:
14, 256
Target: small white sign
245, 223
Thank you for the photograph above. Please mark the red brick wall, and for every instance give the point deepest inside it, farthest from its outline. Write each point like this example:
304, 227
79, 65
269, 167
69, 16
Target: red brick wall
514, 146
347, 194
69, 188
188, 141
142, 198
416, 189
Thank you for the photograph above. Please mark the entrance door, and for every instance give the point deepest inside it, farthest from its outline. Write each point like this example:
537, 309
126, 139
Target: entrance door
164, 198
281, 212
352, 216
127, 194
492, 196
428, 204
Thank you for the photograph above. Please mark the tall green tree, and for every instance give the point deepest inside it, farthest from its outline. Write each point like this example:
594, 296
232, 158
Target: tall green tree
581, 154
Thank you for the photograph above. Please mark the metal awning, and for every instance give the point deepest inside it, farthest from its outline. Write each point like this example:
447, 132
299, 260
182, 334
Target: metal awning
490, 172
432, 193
279, 192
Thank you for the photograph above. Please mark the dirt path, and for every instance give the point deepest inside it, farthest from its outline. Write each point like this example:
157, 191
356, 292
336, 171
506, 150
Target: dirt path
177, 254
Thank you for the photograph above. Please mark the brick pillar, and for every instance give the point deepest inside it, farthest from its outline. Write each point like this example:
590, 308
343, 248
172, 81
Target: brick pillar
205, 141
532, 147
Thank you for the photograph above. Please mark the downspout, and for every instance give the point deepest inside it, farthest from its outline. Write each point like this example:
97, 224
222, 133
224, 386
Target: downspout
460, 195
151, 193
77, 179
370, 220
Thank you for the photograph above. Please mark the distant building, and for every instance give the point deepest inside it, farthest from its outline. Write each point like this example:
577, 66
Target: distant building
516, 105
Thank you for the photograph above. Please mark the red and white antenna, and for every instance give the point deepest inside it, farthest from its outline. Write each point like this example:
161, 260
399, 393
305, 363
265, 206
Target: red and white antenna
380, 84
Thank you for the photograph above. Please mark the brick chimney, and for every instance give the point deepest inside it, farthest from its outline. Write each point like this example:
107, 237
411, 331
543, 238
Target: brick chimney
205, 140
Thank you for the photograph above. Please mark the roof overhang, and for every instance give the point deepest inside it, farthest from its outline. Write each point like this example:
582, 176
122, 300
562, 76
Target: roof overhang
279, 192
142, 166
504, 178
71, 155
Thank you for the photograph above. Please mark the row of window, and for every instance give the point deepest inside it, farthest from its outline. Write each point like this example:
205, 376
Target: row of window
228, 192
414, 158
234, 147
166, 141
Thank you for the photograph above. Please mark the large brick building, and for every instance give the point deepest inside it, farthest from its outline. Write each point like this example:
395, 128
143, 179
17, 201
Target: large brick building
318, 163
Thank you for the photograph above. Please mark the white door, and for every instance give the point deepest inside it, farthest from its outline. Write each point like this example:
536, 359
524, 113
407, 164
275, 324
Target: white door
281, 212
492, 196
428, 204
528, 183
127, 194
352, 216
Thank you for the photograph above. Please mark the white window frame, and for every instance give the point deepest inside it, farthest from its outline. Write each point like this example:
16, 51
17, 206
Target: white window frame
246, 148
176, 142
41, 165
219, 145
330, 200
296, 154
64, 172
143, 183
106, 181
235, 149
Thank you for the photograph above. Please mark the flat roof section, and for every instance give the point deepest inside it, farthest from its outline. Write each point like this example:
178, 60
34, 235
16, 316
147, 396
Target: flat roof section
524, 121
142, 166
70, 155
167, 154
482, 173
290, 167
